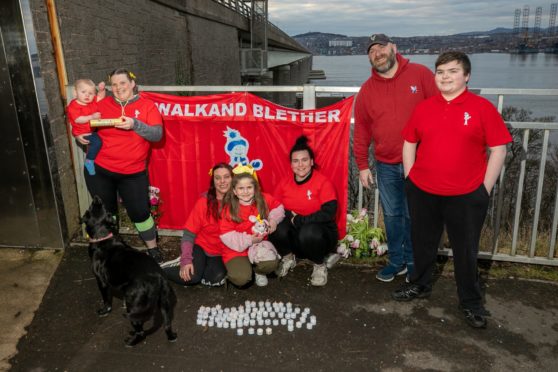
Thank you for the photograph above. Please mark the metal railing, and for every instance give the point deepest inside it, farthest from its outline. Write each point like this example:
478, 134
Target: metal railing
308, 93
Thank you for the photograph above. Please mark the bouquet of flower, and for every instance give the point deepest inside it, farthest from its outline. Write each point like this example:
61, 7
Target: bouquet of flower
154, 203
362, 239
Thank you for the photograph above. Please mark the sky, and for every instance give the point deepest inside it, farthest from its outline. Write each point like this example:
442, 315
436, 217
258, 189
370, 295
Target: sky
399, 17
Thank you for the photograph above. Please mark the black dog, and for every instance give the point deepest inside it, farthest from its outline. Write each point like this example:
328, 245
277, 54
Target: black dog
119, 266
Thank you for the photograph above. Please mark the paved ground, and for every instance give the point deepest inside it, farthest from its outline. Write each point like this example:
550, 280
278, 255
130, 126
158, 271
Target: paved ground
359, 328
24, 278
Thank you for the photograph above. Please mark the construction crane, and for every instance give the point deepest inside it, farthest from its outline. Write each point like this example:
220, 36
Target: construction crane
538, 17
516, 18
552, 20
525, 23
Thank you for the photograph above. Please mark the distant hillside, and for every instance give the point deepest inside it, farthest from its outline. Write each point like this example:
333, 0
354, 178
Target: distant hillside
498, 40
499, 30
318, 34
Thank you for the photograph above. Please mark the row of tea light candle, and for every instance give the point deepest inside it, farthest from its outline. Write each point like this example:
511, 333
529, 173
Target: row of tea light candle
255, 316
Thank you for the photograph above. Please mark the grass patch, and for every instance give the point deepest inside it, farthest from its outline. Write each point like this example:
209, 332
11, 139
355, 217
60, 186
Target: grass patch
487, 268
501, 270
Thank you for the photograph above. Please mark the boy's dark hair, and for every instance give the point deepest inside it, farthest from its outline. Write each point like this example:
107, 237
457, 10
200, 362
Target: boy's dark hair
458, 56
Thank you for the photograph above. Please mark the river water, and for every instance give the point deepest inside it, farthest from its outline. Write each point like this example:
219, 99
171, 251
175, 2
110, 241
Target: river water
489, 70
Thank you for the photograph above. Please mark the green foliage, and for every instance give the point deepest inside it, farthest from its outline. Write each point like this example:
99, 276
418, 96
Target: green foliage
363, 239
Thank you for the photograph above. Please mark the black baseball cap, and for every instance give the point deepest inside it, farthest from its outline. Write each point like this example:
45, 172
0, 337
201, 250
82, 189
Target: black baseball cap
381, 39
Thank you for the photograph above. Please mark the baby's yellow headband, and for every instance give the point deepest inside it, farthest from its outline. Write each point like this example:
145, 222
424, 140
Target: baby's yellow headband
239, 169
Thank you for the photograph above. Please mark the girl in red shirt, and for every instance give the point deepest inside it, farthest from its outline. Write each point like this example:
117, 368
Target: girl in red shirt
200, 260
309, 231
246, 210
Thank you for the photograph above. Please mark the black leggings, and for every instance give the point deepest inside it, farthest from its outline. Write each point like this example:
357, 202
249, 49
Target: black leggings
132, 188
313, 241
210, 269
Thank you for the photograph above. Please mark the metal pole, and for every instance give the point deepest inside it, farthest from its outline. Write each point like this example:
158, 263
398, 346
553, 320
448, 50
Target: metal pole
309, 97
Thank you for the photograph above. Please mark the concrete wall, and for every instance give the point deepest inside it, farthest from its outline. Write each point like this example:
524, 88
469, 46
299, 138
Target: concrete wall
148, 38
215, 53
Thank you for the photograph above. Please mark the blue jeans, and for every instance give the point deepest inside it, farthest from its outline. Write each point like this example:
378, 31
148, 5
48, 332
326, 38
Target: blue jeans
391, 184
95, 143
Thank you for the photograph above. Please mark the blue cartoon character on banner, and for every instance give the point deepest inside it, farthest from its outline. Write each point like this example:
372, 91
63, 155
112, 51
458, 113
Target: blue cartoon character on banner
237, 149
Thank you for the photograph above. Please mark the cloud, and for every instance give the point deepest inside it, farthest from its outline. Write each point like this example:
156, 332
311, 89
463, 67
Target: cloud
397, 17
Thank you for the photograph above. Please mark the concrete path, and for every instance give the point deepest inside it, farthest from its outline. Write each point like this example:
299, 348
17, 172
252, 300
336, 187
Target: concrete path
24, 277
358, 328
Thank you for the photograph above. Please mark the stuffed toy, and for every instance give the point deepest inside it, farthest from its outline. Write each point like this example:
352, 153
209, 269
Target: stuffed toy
264, 250
260, 226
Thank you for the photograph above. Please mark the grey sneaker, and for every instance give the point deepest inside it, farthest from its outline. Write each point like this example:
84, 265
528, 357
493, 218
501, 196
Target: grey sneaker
332, 259
388, 273
261, 280
319, 275
287, 264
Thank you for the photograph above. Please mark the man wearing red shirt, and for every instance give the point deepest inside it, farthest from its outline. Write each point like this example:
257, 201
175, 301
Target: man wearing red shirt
383, 106
450, 179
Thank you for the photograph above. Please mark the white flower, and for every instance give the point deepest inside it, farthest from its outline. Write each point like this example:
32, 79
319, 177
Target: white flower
362, 212
355, 244
343, 251
349, 238
350, 218
382, 249
374, 243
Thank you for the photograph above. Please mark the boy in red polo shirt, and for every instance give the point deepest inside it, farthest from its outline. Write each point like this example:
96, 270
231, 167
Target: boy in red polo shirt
449, 180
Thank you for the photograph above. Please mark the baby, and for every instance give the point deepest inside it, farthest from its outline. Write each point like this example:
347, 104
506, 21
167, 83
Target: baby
81, 110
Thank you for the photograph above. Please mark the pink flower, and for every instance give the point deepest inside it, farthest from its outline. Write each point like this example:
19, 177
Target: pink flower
362, 212
355, 244
154, 201
382, 248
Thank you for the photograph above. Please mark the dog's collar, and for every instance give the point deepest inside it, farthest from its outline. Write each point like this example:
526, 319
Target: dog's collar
100, 239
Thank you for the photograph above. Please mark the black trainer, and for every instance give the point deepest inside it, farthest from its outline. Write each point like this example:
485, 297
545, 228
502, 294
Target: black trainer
474, 319
409, 292
156, 254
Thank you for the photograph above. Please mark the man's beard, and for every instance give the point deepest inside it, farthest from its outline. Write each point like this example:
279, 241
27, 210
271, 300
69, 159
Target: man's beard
388, 64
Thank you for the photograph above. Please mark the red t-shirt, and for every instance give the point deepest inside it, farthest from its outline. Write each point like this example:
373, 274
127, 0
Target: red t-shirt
226, 224
308, 197
206, 228
452, 139
75, 110
124, 151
